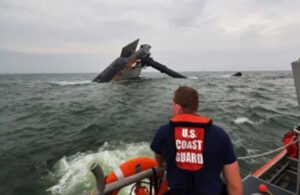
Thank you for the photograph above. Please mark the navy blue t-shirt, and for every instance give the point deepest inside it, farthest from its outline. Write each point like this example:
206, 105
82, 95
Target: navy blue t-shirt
218, 151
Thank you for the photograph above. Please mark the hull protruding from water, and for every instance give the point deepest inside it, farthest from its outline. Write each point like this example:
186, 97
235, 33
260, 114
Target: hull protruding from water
130, 64
126, 66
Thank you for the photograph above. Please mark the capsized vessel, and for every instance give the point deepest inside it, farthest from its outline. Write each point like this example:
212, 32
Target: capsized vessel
130, 64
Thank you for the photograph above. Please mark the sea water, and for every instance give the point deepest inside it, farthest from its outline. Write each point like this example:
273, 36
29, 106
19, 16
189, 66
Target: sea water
54, 126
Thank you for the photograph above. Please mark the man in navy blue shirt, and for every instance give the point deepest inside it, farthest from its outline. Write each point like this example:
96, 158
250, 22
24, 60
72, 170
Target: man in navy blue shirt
195, 151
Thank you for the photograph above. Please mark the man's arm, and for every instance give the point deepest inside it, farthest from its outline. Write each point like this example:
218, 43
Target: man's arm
233, 179
159, 159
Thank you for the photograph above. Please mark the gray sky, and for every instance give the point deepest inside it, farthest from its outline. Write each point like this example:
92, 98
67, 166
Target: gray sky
40, 36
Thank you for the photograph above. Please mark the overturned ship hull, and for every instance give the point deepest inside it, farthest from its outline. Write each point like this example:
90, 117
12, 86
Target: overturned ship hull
130, 64
130, 73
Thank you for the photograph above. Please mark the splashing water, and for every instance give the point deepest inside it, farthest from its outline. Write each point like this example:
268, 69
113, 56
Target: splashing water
74, 172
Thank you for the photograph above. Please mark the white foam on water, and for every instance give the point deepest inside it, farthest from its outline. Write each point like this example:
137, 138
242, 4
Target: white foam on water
225, 75
74, 172
63, 83
241, 120
193, 77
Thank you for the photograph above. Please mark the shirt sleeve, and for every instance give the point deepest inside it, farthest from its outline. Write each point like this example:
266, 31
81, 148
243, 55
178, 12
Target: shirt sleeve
158, 140
229, 155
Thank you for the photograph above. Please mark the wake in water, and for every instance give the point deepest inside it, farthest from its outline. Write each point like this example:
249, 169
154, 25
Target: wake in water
74, 175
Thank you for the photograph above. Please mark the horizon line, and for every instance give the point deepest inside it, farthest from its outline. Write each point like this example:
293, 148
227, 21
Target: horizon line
12, 73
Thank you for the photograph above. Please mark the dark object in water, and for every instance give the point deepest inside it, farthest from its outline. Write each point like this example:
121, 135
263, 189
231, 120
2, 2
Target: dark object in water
130, 64
237, 74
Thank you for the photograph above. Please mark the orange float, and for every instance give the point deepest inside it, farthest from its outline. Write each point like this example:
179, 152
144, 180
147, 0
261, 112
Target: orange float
129, 168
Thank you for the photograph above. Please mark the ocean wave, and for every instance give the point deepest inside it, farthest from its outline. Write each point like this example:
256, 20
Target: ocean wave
241, 120
225, 76
259, 95
193, 77
73, 173
90, 129
64, 83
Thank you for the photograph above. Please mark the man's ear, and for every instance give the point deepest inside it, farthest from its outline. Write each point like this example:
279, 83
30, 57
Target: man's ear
178, 109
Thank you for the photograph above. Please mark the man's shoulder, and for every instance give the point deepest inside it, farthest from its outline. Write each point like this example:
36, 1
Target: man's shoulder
165, 128
167, 125
218, 131
159, 140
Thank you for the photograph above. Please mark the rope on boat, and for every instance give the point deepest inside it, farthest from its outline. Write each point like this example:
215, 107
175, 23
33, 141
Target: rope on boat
269, 152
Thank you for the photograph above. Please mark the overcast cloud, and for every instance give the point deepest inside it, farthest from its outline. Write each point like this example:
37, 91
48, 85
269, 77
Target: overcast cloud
186, 35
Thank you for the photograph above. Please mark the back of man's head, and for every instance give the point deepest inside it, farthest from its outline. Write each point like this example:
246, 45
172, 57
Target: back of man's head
187, 98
